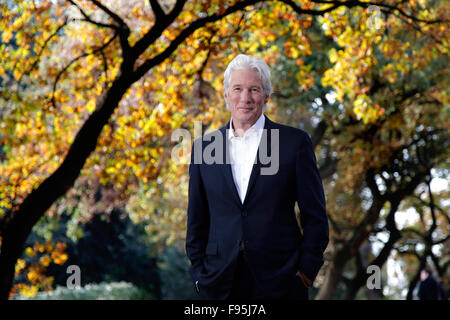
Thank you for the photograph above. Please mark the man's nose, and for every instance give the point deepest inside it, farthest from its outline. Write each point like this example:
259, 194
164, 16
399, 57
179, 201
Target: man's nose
246, 96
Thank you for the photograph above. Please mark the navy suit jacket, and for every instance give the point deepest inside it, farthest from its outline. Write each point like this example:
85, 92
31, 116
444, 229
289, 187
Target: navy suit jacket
264, 224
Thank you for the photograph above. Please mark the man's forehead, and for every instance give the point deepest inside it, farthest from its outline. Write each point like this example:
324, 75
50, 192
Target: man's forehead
239, 77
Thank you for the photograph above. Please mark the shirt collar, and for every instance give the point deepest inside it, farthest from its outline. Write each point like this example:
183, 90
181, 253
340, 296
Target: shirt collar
258, 125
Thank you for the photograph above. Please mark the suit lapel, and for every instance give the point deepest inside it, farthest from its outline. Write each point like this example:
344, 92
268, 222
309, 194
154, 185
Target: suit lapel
226, 167
256, 170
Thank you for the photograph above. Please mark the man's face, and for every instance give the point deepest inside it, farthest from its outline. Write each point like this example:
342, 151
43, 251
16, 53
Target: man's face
423, 275
245, 96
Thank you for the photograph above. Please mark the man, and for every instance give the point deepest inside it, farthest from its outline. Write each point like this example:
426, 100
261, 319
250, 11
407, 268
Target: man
243, 239
429, 288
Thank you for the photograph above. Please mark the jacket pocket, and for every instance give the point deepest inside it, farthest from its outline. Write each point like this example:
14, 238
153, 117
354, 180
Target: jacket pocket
211, 248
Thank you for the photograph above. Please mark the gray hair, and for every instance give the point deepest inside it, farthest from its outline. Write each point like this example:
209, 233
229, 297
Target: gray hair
247, 62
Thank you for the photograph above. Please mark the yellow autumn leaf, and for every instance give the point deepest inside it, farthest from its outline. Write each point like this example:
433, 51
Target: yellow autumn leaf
30, 252
45, 260
90, 106
32, 276
59, 258
29, 291
20, 265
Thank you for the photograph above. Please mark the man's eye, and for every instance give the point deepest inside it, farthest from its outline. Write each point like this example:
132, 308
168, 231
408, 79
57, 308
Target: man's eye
237, 89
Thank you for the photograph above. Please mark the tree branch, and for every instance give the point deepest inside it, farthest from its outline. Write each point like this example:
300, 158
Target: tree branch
105, 65
157, 29
300, 10
329, 166
412, 252
38, 58
157, 10
354, 3
443, 240
87, 18
73, 61
442, 211
124, 30
193, 26
111, 14
318, 133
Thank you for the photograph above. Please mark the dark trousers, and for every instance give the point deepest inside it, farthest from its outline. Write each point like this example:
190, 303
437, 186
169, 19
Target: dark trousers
245, 287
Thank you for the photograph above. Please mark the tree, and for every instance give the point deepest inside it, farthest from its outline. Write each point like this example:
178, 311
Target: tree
62, 115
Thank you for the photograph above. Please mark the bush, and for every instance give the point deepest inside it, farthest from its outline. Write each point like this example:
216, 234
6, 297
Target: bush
176, 283
112, 249
101, 291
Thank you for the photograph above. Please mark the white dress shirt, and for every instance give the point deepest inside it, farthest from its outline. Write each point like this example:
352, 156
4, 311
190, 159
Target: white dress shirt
243, 152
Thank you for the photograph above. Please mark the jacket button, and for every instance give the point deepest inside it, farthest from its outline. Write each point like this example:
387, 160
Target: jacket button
244, 213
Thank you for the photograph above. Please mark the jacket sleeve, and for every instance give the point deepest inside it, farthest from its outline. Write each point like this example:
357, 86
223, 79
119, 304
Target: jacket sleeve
197, 215
313, 217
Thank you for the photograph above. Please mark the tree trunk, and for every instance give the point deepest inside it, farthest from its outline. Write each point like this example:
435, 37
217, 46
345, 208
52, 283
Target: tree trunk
333, 276
365, 251
21, 221
361, 277
414, 281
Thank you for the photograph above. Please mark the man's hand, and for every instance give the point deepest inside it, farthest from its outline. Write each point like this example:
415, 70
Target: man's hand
306, 282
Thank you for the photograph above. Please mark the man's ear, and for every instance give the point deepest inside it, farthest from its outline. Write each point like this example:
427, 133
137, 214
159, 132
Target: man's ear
266, 99
225, 96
